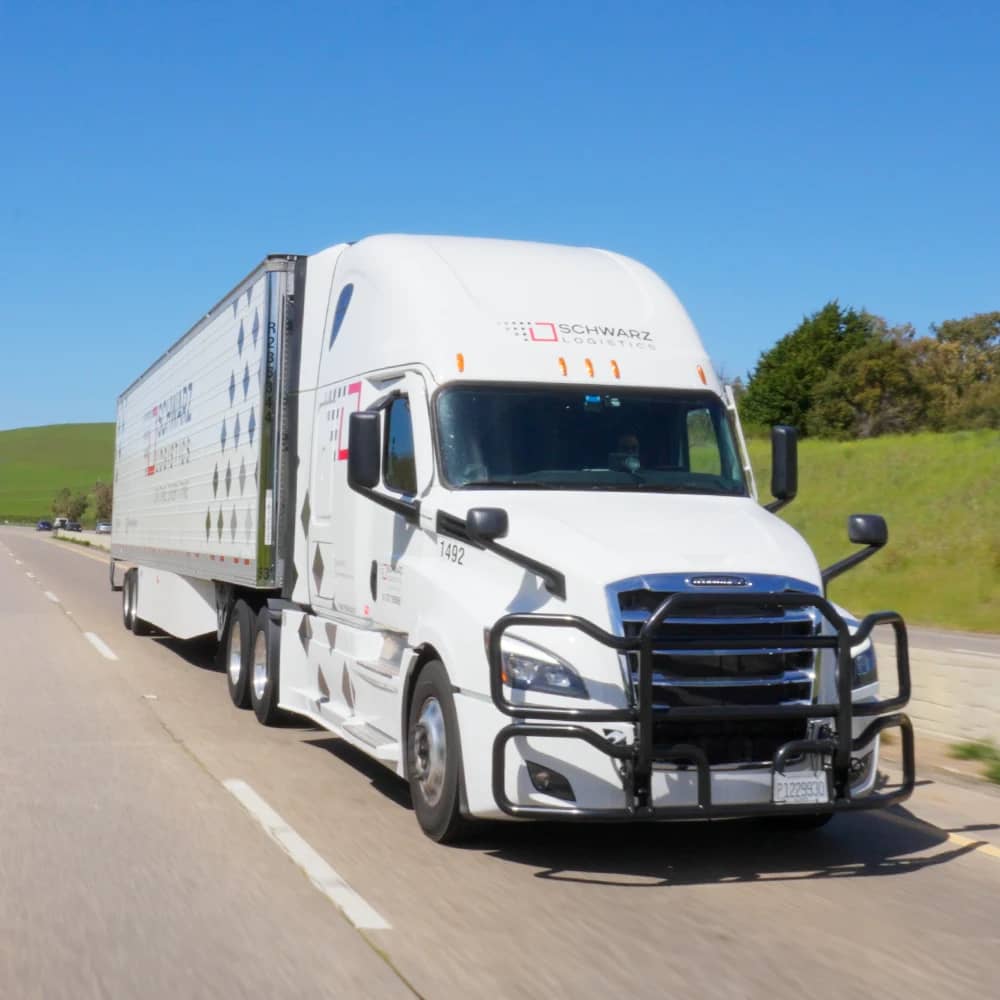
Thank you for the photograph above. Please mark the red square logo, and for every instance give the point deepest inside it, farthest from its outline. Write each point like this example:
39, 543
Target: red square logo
543, 332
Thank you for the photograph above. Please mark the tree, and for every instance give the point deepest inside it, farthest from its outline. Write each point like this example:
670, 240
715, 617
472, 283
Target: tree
102, 501
874, 389
76, 506
781, 388
60, 502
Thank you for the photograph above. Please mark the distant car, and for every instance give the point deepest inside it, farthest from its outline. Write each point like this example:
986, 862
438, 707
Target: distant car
43, 526
73, 526
103, 527
59, 522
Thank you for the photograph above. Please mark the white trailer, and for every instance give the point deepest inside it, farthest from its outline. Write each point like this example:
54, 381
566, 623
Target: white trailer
483, 509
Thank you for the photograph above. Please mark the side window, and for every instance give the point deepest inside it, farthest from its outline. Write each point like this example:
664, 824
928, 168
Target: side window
400, 464
703, 447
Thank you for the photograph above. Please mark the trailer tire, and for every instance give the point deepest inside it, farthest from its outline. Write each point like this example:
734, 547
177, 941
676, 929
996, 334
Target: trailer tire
434, 757
237, 647
264, 669
128, 599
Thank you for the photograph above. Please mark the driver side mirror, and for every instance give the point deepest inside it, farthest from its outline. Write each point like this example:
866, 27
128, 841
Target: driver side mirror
364, 456
869, 530
784, 466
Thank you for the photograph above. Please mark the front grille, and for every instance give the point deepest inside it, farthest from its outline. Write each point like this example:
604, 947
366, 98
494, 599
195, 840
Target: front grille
711, 677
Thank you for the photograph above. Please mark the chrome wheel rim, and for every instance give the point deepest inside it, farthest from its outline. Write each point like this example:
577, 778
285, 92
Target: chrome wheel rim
128, 596
430, 751
235, 652
259, 665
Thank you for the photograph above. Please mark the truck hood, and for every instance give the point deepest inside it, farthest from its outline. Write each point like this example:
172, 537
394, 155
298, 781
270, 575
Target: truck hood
603, 537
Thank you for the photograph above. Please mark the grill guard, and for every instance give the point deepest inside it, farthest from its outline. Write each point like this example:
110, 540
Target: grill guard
636, 759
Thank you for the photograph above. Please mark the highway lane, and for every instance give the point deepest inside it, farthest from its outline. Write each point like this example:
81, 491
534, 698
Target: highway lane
869, 904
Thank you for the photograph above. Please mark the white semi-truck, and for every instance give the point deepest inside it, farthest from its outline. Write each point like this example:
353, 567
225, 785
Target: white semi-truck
484, 510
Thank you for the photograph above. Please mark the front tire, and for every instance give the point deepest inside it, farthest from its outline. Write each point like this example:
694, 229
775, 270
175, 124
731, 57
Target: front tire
128, 599
434, 757
238, 647
265, 669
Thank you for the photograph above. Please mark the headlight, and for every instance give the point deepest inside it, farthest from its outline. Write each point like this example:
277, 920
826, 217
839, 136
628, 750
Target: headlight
865, 667
529, 668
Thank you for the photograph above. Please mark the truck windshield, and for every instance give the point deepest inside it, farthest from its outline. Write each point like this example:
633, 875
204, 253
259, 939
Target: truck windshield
576, 438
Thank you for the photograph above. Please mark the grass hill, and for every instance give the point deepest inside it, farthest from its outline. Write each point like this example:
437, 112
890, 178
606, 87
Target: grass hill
37, 462
940, 494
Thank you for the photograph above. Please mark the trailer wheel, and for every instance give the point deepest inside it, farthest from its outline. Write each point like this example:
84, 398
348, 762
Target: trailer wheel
128, 599
265, 669
434, 756
238, 646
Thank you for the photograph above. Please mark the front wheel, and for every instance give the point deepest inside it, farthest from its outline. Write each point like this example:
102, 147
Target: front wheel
434, 756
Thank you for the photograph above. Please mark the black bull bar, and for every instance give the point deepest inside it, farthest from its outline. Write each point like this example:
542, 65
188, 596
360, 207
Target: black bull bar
636, 759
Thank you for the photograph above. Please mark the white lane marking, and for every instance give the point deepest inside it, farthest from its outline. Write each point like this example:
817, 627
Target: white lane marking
100, 645
316, 868
974, 652
17, 562
30, 576
52, 597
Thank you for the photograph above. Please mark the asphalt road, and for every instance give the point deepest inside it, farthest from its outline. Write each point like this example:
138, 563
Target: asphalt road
129, 869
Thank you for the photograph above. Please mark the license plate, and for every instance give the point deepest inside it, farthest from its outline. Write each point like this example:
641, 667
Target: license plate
809, 788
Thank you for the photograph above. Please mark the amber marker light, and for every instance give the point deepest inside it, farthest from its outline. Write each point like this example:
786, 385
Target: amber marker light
589, 365
562, 366
460, 362
701, 375
616, 371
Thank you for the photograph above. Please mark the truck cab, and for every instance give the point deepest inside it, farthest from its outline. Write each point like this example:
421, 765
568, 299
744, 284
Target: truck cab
538, 578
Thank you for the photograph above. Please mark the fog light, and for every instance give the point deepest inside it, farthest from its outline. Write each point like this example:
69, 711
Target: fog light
861, 768
550, 782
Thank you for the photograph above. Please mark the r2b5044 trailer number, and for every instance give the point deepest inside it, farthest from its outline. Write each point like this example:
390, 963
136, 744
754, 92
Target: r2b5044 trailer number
453, 553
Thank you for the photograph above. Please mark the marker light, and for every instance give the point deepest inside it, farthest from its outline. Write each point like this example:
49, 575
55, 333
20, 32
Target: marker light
589, 365
615, 369
460, 361
562, 365
701, 375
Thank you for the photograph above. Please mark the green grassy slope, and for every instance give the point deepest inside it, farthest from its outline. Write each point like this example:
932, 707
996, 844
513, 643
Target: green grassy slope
36, 462
939, 493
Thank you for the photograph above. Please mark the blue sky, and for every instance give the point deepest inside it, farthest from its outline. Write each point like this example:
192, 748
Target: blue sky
763, 158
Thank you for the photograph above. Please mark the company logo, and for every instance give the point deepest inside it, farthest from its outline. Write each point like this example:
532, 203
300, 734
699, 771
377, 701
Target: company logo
596, 334
718, 581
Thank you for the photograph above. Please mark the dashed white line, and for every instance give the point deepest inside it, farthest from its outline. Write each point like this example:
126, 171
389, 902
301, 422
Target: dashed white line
52, 597
99, 644
974, 652
359, 912
30, 576
17, 562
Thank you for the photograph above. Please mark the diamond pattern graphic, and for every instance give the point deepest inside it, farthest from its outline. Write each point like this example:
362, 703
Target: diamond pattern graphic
306, 514
249, 293
255, 329
243, 475
347, 688
236, 432
222, 435
318, 567
234, 308
252, 426
229, 477
305, 632
246, 381
241, 339
220, 524
215, 481
232, 388
208, 525
233, 524
324, 688
256, 466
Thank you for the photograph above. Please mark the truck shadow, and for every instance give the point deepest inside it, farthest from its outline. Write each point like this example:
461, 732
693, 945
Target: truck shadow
862, 845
